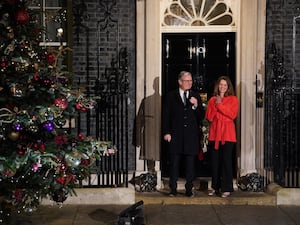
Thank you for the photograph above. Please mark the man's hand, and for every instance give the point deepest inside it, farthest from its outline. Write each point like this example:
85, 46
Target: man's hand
194, 102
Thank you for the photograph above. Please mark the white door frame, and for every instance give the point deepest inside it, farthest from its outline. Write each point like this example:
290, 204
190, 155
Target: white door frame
250, 45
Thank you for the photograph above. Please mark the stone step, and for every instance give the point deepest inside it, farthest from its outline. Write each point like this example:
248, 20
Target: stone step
201, 198
201, 187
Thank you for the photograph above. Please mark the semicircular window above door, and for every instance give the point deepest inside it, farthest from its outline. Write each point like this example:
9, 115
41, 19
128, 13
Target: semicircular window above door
197, 13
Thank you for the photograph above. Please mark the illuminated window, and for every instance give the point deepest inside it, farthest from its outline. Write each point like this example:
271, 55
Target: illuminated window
52, 16
197, 13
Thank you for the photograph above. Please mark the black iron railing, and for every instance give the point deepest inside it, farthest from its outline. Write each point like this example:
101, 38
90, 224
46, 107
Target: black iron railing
109, 120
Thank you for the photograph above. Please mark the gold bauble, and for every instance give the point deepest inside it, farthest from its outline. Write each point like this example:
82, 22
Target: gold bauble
14, 136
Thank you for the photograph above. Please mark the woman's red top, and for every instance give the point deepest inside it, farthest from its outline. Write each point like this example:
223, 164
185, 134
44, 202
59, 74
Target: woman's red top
221, 117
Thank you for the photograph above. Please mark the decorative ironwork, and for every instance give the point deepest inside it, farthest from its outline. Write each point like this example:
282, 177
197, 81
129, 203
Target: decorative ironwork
295, 4
79, 15
108, 22
109, 121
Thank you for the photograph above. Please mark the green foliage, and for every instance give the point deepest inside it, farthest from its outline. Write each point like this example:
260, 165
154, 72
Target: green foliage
38, 158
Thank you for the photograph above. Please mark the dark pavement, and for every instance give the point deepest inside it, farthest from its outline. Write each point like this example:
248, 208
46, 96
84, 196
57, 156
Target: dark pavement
168, 214
241, 208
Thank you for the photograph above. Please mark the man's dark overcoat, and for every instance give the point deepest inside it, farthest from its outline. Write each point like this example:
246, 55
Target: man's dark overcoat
183, 123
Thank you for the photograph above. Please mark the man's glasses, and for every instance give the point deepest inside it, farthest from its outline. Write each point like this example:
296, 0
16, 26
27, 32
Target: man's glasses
187, 81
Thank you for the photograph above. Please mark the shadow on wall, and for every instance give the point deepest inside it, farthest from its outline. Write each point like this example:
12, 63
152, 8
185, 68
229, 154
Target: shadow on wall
148, 128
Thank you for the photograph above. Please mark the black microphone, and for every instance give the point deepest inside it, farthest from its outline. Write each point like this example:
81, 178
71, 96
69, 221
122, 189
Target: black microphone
189, 95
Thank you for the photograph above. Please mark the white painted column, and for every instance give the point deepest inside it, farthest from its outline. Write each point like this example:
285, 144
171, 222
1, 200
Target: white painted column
246, 85
140, 68
153, 63
260, 87
148, 69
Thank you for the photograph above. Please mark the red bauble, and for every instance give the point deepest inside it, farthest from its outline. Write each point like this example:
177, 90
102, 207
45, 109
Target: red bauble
50, 58
36, 76
21, 151
61, 103
80, 136
3, 63
80, 107
22, 17
42, 147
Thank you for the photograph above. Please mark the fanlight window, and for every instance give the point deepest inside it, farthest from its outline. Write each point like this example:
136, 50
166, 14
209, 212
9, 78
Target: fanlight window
197, 13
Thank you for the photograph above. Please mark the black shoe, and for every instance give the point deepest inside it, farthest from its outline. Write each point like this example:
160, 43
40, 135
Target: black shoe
173, 194
189, 194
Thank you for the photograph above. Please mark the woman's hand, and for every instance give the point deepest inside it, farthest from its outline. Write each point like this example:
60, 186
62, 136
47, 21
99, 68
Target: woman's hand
218, 99
167, 137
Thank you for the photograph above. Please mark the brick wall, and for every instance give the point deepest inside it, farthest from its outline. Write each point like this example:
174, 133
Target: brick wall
97, 44
282, 90
280, 15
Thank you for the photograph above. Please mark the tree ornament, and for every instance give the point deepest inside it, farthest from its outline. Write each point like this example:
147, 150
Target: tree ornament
9, 172
60, 140
18, 126
21, 151
80, 136
35, 167
16, 91
14, 136
62, 168
50, 58
60, 122
36, 76
18, 194
80, 107
73, 159
11, 35
49, 115
47, 82
85, 162
62, 103
3, 63
48, 126
22, 17
60, 195
42, 147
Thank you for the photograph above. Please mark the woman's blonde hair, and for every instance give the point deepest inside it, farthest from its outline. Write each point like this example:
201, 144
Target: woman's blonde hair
230, 90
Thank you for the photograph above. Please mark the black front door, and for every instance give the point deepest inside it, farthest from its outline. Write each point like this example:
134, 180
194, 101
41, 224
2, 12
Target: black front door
207, 56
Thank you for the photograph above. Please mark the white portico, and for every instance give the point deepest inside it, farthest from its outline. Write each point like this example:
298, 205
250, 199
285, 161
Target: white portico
247, 19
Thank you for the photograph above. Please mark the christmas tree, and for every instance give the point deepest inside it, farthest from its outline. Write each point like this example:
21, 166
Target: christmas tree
39, 158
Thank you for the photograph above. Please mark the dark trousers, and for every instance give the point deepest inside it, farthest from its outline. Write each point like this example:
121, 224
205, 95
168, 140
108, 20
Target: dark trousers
189, 164
221, 162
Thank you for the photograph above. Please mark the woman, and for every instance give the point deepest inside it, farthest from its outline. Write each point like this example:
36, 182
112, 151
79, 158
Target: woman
221, 111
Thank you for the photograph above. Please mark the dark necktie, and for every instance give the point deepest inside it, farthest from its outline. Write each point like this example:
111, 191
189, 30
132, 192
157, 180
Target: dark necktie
184, 97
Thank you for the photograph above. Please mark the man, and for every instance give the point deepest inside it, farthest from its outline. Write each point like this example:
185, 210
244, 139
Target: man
182, 116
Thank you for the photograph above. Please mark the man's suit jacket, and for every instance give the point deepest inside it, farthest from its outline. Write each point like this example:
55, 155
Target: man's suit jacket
183, 123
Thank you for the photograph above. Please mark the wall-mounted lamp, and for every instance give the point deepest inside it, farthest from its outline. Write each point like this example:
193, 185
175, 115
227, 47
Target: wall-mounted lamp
259, 99
259, 91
